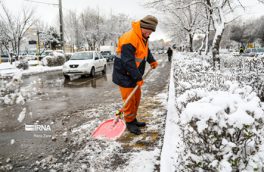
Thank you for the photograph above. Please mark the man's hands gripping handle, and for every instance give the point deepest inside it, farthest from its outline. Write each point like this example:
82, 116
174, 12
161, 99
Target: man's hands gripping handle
154, 65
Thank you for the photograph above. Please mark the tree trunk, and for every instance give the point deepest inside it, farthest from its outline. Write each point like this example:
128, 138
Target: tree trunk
201, 47
191, 42
18, 47
207, 37
216, 45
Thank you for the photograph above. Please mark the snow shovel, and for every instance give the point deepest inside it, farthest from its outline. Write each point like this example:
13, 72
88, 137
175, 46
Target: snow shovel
112, 129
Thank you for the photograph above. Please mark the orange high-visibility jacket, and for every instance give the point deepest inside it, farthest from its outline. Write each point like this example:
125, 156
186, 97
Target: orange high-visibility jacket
132, 54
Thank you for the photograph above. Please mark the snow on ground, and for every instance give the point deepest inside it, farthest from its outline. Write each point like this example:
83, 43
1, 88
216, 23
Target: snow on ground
129, 152
40, 69
172, 142
11, 91
7, 70
22, 115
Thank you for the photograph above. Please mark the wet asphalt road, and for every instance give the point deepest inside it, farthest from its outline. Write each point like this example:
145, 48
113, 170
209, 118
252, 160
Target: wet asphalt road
54, 104
51, 105
53, 95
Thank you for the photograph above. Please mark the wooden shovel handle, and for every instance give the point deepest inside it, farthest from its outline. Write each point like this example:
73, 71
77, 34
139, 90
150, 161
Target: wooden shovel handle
135, 89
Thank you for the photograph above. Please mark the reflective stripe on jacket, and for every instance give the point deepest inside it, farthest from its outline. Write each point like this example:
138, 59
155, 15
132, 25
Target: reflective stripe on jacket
132, 54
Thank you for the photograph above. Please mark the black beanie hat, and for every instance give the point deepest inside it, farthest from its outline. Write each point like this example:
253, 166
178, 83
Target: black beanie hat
149, 22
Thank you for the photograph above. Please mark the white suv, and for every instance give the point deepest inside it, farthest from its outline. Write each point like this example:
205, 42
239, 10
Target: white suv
84, 63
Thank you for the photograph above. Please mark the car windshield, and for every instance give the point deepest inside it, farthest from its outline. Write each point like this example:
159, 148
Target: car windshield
82, 56
105, 53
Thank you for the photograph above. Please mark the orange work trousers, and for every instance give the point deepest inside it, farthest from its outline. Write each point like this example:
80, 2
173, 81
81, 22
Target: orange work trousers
130, 110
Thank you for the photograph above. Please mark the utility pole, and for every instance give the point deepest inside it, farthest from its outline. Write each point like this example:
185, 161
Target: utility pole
61, 18
61, 25
38, 42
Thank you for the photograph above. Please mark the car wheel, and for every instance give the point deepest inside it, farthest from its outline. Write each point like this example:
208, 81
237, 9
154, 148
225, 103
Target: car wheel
67, 77
104, 70
92, 73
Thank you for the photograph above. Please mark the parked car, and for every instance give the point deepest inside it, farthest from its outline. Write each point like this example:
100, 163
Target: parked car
5, 58
250, 52
31, 55
260, 52
107, 55
85, 63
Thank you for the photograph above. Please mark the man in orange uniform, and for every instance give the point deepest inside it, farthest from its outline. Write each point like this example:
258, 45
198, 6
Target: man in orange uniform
129, 66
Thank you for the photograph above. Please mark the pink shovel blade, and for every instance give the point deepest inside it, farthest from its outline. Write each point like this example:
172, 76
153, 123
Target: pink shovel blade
109, 129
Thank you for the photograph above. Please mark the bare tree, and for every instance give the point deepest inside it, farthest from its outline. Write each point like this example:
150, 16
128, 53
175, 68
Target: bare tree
116, 25
90, 27
216, 10
72, 29
97, 30
186, 19
15, 27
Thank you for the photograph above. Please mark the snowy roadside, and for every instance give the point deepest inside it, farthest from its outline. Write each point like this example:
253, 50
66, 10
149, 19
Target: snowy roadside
129, 152
8, 70
172, 144
11, 81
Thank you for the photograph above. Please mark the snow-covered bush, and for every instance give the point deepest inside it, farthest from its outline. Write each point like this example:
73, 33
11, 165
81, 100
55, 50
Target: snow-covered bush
22, 65
223, 130
195, 72
57, 59
256, 82
222, 122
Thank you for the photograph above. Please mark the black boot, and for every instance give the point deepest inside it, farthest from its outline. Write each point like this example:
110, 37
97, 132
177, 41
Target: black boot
133, 128
139, 124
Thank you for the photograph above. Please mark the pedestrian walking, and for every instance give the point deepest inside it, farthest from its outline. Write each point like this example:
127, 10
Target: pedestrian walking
170, 53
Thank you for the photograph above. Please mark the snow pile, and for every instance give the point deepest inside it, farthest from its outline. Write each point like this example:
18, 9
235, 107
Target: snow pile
10, 91
22, 115
221, 121
7, 70
148, 158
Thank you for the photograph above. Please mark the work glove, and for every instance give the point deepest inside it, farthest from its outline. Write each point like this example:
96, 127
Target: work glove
140, 83
154, 64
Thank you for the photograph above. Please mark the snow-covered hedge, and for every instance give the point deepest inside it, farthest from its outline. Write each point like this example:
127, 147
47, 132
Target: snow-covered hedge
56, 60
221, 121
223, 130
196, 72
